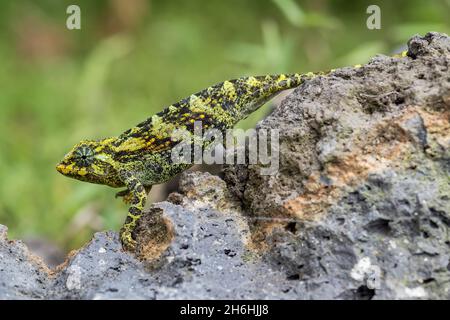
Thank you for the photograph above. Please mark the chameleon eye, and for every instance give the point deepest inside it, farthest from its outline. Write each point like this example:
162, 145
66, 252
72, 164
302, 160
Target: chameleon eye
84, 156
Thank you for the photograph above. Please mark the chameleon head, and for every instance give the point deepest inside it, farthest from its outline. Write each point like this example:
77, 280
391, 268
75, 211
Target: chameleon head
90, 161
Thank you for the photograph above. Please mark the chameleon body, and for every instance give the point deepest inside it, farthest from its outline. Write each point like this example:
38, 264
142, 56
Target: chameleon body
141, 156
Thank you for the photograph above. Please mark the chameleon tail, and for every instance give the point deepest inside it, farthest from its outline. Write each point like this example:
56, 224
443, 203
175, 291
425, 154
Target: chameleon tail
247, 94
261, 89
264, 88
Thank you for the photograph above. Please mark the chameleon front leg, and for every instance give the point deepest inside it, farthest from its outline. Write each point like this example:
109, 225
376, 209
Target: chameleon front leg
137, 200
127, 195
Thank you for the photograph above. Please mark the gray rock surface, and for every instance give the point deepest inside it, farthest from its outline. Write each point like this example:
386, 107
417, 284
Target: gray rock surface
360, 208
206, 259
365, 177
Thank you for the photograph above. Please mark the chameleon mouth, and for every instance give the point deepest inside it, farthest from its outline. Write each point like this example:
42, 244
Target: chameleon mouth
71, 171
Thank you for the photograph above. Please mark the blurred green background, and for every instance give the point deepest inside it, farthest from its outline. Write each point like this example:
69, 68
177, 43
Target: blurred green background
133, 57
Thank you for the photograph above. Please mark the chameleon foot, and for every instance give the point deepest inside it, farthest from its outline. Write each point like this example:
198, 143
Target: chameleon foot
126, 233
126, 238
136, 195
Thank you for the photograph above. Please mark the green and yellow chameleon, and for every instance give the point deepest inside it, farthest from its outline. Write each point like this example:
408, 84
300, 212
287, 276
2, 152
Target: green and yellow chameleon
141, 156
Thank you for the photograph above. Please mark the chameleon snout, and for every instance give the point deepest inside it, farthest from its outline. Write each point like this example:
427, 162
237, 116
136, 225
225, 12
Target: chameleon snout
60, 167
66, 168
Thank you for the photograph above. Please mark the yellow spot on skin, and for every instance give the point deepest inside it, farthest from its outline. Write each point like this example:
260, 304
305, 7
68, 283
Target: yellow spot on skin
202, 116
229, 90
131, 144
252, 81
65, 169
357, 66
283, 81
196, 102
104, 157
60, 168
107, 142
134, 130
191, 120
69, 168
156, 120
82, 172
97, 169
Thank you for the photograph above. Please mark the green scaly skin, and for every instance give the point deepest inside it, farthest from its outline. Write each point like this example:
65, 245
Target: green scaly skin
141, 156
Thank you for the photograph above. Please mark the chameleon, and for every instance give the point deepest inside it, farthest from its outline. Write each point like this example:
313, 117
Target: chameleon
141, 156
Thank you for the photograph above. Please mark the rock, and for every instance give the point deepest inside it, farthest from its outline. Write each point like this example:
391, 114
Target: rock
206, 259
364, 179
22, 275
360, 207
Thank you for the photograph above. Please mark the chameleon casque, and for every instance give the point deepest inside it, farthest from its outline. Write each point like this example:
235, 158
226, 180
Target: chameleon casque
141, 156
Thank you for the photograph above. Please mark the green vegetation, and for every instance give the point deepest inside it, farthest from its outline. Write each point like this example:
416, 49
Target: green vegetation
131, 59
